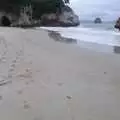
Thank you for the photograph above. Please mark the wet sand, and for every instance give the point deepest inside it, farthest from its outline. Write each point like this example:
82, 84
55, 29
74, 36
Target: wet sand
44, 79
109, 49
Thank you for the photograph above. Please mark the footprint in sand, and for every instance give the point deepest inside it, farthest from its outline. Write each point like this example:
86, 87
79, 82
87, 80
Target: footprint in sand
14, 61
60, 84
25, 73
69, 97
9, 76
105, 73
3, 59
11, 69
27, 83
4, 81
3, 49
26, 105
12, 65
1, 97
19, 92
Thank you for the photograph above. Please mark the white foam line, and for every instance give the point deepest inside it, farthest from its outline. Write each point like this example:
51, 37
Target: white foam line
88, 35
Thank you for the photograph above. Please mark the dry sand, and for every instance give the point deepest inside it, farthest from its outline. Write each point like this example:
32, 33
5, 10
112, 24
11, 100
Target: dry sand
42, 79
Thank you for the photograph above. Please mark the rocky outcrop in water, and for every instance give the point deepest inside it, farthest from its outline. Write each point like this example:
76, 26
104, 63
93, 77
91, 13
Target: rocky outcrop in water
117, 24
98, 21
66, 18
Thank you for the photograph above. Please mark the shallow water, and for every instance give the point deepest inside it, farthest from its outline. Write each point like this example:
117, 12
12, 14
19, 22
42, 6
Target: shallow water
102, 37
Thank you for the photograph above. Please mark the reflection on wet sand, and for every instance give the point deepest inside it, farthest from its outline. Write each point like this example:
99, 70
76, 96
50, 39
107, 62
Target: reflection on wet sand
117, 47
57, 37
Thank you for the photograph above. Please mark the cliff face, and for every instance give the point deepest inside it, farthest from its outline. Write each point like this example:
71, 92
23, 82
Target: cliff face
28, 10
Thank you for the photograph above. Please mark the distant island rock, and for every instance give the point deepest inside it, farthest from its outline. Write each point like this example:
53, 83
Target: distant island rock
98, 21
117, 24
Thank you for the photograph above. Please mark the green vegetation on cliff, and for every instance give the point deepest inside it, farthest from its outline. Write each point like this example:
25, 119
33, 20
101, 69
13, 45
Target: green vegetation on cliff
51, 6
39, 6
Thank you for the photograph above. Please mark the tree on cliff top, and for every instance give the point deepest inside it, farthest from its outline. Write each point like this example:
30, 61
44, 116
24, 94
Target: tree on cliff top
20, 2
39, 6
67, 1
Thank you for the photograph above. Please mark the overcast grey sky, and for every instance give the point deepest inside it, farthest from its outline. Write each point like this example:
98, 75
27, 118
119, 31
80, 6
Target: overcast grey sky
89, 9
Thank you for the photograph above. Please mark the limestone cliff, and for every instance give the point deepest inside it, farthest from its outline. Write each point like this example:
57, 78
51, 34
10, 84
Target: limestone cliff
27, 11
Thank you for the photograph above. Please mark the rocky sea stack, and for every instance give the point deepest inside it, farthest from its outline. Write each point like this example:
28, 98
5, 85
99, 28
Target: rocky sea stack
37, 13
98, 21
117, 24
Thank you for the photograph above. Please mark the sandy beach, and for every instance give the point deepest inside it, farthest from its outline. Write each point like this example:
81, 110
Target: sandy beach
44, 79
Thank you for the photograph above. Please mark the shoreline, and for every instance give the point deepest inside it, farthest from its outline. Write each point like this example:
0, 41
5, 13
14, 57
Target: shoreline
103, 48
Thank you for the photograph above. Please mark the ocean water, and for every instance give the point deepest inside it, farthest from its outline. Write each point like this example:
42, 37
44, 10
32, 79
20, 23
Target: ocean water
101, 37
